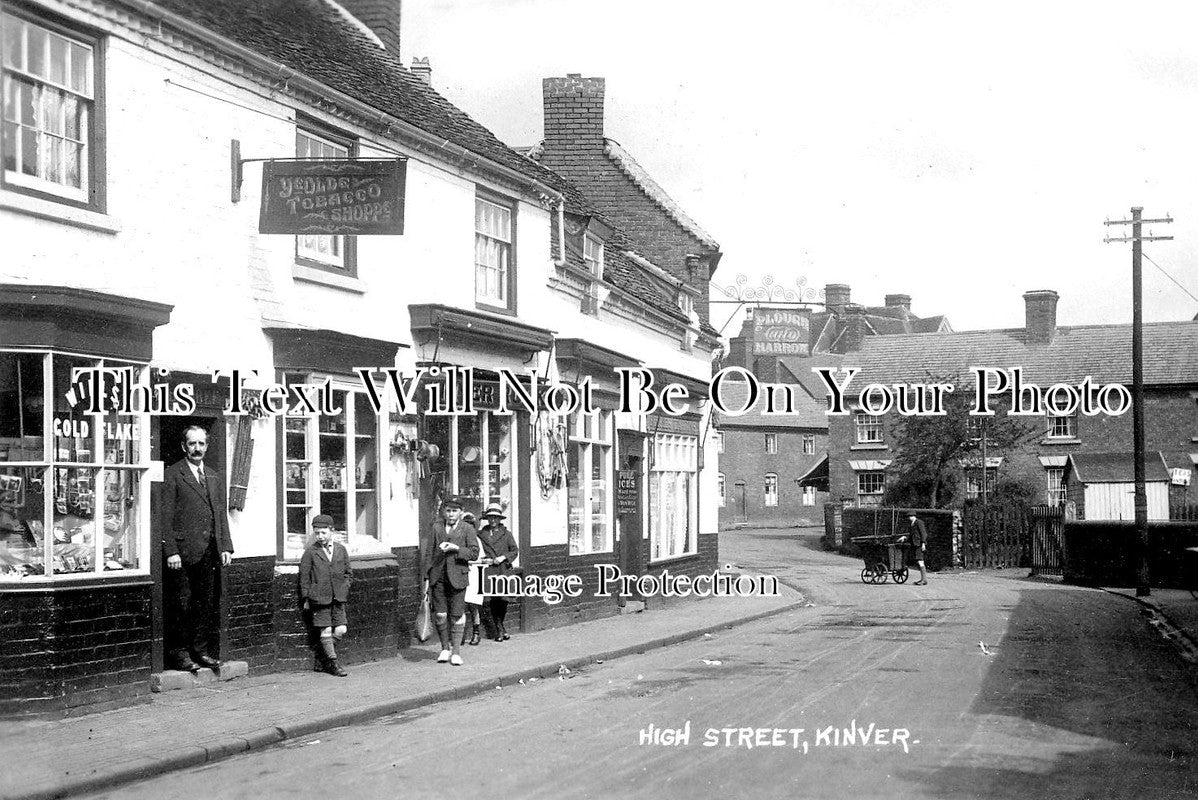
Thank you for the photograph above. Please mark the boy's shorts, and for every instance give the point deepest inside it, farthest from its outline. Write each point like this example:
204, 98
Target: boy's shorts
445, 598
329, 616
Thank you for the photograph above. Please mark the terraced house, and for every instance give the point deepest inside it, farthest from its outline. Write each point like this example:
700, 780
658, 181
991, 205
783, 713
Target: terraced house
136, 137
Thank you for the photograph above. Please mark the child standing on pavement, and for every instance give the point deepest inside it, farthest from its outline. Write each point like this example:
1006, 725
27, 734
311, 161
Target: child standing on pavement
324, 580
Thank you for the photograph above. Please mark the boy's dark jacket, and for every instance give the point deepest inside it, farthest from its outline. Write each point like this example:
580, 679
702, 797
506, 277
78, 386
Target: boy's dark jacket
322, 582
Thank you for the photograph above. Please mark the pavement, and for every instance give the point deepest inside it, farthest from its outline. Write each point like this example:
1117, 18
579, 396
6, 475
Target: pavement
181, 729
1177, 609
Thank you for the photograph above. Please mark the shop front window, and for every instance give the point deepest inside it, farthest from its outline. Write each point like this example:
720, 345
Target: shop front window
72, 483
589, 468
330, 466
673, 499
475, 460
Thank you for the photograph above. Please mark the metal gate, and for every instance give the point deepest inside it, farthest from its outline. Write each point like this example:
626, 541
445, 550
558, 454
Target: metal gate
995, 536
1048, 540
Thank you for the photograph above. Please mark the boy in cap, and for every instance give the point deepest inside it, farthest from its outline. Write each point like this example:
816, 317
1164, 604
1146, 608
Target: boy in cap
455, 545
324, 579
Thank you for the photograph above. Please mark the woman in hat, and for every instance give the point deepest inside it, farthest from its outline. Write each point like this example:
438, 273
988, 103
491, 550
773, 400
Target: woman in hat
499, 546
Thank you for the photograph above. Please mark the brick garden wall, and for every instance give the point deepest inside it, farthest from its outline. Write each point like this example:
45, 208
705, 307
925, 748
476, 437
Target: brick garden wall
74, 651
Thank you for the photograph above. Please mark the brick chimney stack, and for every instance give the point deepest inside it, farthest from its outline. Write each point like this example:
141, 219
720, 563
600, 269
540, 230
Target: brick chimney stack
573, 113
836, 296
381, 16
902, 301
422, 69
854, 328
1041, 315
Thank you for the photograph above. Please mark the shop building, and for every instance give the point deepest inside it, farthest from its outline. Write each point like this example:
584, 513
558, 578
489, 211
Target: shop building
147, 261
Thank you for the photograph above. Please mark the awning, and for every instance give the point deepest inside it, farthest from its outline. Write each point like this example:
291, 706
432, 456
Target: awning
1053, 461
817, 476
858, 466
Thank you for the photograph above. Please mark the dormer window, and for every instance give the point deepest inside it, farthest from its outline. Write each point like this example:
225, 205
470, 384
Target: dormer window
592, 261
686, 303
592, 255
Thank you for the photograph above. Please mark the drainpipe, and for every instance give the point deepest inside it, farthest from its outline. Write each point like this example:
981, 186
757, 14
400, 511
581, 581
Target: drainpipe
560, 261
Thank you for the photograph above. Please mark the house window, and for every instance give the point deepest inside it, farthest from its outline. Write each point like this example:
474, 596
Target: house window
74, 500
973, 481
719, 442
589, 481
1062, 427
870, 486
771, 489
49, 137
673, 498
771, 443
869, 429
808, 495
592, 259
808, 444
327, 252
721, 492
1056, 485
493, 253
331, 466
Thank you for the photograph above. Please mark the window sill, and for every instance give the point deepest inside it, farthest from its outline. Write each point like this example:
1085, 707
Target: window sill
506, 311
319, 276
1061, 440
671, 559
58, 212
89, 580
870, 446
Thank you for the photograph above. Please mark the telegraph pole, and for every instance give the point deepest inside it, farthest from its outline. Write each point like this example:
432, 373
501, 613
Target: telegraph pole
1137, 385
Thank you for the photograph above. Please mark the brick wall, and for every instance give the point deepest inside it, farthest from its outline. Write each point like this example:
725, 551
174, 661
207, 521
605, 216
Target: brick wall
745, 459
556, 560
373, 613
250, 612
74, 651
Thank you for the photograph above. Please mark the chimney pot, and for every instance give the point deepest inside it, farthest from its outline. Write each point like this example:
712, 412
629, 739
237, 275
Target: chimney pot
422, 69
1040, 315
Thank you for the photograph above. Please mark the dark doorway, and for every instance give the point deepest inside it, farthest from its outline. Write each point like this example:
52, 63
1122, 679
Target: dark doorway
166, 436
631, 523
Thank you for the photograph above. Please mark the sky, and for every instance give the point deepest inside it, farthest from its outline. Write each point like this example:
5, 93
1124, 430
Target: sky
959, 153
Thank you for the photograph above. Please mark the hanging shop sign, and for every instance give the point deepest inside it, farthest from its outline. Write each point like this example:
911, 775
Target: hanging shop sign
780, 333
361, 197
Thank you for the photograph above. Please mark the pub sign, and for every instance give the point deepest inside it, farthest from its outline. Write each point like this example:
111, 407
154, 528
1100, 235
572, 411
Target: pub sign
351, 198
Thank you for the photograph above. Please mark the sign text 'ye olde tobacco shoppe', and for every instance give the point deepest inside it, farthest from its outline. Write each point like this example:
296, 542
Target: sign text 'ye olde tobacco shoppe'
358, 198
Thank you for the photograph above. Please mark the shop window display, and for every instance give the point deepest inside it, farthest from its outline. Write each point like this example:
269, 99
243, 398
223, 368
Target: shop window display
475, 460
75, 475
330, 466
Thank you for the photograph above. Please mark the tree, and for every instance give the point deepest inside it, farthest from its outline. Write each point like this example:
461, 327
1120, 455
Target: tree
929, 449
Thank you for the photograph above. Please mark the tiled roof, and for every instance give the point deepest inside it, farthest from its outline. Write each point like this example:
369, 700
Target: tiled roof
319, 40
637, 174
809, 413
322, 41
1116, 467
1100, 351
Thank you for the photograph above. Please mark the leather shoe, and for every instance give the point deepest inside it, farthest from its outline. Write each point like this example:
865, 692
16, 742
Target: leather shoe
333, 668
205, 660
186, 665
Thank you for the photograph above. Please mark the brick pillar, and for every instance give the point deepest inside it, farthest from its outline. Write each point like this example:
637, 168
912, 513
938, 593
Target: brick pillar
1041, 315
573, 113
381, 16
854, 328
836, 296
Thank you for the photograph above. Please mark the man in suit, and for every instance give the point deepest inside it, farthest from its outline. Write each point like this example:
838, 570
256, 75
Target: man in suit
455, 545
196, 543
917, 535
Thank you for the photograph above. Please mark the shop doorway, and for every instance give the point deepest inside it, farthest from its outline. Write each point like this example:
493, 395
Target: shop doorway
166, 436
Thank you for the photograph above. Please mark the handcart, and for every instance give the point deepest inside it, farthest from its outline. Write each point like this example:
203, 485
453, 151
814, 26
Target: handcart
884, 557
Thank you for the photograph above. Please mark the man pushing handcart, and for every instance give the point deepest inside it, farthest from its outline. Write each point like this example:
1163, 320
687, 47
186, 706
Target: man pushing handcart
884, 556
